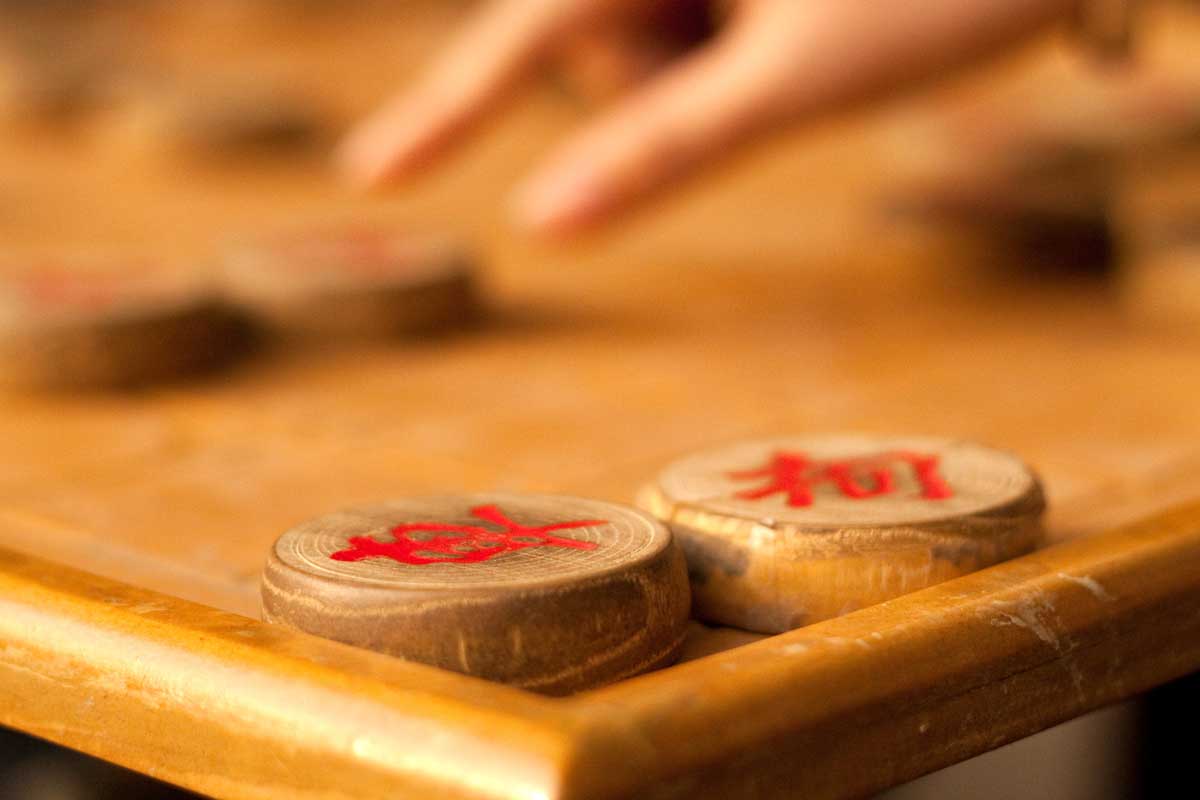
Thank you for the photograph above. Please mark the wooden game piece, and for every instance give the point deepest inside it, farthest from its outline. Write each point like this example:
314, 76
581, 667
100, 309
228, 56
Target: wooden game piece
234, 116
353, 282
1045, 207
82, 323
237, 119
47, 90
554, 594
785, 532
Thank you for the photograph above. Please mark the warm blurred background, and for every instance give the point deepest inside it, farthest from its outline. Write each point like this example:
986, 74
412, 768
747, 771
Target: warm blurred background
170, 127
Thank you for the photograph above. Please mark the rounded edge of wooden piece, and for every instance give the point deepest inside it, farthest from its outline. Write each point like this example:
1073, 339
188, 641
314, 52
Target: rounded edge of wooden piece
770, 572
571, 630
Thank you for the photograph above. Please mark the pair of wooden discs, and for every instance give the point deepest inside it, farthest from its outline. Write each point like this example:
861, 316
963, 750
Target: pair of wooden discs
559, 594
107, 322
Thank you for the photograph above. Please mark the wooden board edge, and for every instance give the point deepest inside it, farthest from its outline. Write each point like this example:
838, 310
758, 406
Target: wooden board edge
233, 707
853, 705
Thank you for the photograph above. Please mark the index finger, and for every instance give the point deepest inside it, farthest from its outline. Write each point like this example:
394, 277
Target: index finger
497, 48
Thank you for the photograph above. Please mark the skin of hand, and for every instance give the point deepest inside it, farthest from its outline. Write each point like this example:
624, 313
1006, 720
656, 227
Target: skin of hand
772, 63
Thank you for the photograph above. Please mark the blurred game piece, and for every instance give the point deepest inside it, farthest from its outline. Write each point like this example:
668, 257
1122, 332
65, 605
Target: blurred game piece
43, 94
245, 119
358, 282
553, 594
239, 115
785, 532
1039, 184
50, 80
76, 323
1044, 207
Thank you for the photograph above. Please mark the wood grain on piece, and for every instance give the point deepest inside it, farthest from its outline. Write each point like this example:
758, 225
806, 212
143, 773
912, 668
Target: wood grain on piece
352, 281
548, 593
785, 532
101, 323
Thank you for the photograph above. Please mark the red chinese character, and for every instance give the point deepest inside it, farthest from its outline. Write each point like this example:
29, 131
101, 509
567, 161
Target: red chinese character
462, 544
794, 475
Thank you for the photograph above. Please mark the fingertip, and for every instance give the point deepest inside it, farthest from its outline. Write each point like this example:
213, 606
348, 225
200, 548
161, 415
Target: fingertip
381, 150
354, 162
559, 202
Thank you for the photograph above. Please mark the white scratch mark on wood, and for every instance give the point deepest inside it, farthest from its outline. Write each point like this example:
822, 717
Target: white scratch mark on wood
1091, 584
1037, 615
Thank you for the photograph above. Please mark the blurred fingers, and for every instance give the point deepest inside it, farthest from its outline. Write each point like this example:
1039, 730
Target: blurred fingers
494, 51
779, 61
695, 111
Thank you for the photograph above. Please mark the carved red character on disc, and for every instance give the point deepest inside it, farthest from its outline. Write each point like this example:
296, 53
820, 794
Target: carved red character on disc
794, 474
463, 544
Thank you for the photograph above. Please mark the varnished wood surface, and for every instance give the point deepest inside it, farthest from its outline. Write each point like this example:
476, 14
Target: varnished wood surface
970, 664
236, 708
775, 297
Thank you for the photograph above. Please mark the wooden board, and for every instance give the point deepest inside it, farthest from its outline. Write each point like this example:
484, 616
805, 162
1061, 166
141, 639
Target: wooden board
774, 298
236, 708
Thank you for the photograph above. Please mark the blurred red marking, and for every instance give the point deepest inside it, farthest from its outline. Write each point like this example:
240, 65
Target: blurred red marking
66, 289
361, 250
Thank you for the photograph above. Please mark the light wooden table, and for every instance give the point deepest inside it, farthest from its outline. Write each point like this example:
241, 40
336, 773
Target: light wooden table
774, 297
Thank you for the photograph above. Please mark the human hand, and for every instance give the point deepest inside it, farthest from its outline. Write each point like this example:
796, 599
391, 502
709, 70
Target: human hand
774, 62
